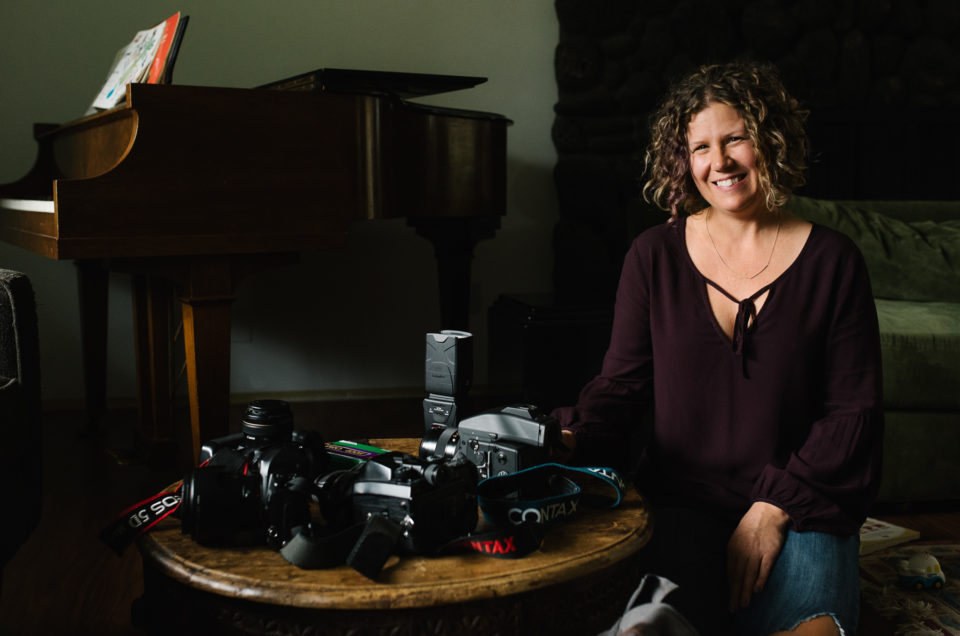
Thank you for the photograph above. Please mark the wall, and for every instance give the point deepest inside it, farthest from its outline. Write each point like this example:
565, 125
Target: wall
348, 321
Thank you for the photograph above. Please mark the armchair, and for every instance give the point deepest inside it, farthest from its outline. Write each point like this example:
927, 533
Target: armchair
20, 432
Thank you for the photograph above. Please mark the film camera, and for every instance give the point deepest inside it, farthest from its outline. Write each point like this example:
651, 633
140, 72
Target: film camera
498, 442
255, 486
429, 501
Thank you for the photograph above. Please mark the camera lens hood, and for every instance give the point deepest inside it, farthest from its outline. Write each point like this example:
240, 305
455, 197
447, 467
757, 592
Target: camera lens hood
267, 419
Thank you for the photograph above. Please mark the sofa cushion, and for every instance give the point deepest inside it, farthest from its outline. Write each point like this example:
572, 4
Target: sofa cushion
917, 260
920, 344
920, 457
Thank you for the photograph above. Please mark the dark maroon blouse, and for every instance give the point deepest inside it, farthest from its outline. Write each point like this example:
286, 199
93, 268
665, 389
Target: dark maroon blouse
789, 412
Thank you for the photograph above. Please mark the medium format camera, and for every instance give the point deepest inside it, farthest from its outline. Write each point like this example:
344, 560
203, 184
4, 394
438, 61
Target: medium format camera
253, 487
498, 442
432, 500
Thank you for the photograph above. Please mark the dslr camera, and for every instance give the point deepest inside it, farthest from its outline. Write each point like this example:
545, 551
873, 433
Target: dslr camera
498, 442
431, 500
255, 486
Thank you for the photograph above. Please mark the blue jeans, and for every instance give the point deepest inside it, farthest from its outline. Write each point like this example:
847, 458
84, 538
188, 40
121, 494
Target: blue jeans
816, 574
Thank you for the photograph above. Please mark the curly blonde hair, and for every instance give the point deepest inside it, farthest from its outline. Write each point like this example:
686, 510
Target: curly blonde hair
773, 119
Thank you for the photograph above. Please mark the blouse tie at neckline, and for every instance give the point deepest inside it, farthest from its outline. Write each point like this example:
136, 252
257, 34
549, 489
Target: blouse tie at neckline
746, 310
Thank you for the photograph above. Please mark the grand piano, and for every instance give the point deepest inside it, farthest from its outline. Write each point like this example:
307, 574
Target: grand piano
189, 188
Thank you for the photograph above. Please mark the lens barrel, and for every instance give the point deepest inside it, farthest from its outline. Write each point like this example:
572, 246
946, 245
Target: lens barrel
267, 420
439, 443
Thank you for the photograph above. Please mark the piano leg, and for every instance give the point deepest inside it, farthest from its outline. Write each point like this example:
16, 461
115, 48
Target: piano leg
206, 289
92, 282
453, 240
152, 311
206, 332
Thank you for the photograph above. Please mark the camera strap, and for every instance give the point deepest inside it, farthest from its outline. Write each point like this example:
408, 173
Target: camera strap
512, 542
139, 518
521, 505
547, 493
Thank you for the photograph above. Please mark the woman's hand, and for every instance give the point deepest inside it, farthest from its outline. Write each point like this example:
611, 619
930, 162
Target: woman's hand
752, 551
564, 453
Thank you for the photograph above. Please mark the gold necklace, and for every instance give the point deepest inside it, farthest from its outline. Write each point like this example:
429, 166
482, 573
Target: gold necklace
706, 224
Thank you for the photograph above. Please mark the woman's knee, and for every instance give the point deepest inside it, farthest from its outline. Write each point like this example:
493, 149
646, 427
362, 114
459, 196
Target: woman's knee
819, 626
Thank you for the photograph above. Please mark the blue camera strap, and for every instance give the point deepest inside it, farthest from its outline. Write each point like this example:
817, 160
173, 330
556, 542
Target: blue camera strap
521, 505
547, 493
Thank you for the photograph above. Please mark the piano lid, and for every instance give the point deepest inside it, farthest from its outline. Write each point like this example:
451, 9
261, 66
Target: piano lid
402, 85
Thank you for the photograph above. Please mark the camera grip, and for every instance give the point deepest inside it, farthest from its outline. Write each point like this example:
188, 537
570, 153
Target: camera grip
376, 543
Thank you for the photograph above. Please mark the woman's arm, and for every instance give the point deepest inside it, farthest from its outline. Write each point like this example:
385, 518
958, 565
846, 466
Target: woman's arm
596, 427
830, 480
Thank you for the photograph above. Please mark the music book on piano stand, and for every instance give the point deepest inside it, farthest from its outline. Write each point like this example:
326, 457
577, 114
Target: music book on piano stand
148, 58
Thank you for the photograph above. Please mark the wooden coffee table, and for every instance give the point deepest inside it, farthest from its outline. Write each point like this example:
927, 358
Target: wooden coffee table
577, 583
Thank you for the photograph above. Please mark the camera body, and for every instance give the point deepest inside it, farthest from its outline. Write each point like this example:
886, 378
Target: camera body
433, 500
253, 487
498, 442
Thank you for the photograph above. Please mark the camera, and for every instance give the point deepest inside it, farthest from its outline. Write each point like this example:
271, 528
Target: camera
448, 370
498, 442
255, 486
432, 500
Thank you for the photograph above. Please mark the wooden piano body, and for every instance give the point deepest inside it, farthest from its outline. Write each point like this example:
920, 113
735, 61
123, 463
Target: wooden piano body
188, 188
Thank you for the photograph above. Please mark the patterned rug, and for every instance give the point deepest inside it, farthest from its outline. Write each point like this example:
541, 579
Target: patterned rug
910, 612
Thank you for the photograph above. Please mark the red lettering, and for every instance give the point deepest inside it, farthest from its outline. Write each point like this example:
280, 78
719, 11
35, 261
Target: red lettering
495, 546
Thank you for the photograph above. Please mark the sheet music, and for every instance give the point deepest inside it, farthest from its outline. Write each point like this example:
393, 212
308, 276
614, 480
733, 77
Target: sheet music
135, 63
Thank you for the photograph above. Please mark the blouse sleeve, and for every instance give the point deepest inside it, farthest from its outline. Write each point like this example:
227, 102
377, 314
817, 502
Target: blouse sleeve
612, 404
828, 483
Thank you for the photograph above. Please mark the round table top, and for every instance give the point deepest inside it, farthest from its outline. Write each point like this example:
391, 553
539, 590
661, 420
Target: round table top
591, 541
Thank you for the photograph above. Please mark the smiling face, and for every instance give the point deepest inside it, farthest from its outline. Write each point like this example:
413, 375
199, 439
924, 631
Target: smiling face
723, 163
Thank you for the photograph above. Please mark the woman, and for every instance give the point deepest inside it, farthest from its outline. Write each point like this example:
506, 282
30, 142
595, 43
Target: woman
754, 335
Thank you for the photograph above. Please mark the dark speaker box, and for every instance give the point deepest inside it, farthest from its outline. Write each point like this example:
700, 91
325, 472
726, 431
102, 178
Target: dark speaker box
542, 353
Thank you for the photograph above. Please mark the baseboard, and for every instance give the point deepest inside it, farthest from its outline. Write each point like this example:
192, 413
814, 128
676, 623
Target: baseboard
336, 414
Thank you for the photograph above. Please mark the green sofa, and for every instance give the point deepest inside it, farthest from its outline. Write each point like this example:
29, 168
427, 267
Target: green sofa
912, 250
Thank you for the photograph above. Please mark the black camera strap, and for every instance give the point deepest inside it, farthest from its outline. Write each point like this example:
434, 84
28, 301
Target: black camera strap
521, 505
139, 518
547, 493
512, 542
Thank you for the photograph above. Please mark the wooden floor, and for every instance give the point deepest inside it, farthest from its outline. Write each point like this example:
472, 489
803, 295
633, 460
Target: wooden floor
65, 581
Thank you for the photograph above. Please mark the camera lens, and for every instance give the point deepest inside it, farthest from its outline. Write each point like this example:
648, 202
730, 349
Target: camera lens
216, 508
267, 420
439, 442
436, 474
